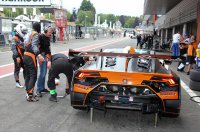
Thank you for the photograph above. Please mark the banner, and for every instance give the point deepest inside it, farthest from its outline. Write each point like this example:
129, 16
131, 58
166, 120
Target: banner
34, 11
13, 9
25, 2
24, 10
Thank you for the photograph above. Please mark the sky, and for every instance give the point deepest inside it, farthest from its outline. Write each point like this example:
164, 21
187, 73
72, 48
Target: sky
117, 7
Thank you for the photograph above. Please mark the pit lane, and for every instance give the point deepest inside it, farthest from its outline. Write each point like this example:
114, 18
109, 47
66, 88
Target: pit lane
17, 115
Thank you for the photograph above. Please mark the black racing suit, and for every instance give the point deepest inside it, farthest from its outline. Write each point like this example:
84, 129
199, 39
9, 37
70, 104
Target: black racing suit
30, 62
17, 47
60, 64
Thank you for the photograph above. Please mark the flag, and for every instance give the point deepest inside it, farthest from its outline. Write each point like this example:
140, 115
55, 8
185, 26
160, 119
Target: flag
13, 9
34, 11
1, 9
25, 11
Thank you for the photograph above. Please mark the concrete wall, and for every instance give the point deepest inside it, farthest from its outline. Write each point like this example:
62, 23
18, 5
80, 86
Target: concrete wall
183, 12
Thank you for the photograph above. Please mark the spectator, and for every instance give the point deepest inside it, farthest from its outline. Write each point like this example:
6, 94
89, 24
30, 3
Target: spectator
45, 51
191, 53
142, 41
175, 44
150, 41
138, 39
184, 42
198, 57
54, 35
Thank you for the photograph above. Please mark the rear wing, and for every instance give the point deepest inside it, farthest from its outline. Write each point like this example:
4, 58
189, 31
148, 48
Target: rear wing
73, 53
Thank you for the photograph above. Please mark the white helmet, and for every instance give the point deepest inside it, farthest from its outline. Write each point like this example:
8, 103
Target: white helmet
21, 30
198, 46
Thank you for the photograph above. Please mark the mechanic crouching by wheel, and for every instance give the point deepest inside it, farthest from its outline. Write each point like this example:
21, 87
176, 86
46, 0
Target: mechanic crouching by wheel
30, 62
61, 64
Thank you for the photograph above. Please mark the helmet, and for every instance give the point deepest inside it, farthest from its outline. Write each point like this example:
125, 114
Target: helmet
129, 49
198, 46
21, 30
37, 27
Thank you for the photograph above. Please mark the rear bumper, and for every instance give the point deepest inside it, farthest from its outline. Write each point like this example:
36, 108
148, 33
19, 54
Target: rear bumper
145, 104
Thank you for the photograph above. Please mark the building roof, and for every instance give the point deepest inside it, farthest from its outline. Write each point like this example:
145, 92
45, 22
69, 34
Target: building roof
159, 7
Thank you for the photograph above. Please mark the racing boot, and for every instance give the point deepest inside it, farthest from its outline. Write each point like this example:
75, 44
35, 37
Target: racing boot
53, 98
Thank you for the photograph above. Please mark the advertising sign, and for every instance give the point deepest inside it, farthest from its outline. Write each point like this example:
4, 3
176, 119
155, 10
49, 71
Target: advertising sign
60, 18
25, 2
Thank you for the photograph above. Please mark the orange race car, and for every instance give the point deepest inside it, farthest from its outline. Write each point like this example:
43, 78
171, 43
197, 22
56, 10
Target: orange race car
126, 79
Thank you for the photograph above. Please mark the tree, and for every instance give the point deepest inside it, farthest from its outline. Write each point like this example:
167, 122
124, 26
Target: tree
110, 18
122, 19
136, 22
85, 17
19, 11
129, 22
103, 17
73, 16
86, 5
49, 16
7, 12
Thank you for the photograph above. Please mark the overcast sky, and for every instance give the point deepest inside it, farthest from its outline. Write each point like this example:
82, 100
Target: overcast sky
117, 7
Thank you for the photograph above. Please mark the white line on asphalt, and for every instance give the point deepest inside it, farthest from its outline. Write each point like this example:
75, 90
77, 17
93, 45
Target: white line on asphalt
189, 91
6, 65
4, 52
105, 43
6, 75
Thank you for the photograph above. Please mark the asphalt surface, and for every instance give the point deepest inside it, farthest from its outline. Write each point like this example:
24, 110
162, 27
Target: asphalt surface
18, 115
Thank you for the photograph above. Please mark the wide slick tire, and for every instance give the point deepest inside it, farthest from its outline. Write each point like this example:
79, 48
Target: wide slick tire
172, 108
171, 115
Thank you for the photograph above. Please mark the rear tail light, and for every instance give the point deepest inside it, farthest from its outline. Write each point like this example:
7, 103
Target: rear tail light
89, 78
172, 82
101, 99
160, 83
169, 80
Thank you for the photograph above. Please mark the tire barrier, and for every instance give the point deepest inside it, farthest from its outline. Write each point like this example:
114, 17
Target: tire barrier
194, 80
195, 75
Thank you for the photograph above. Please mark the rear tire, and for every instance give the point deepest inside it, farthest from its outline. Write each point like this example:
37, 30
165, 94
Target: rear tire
79, 108
171, 115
